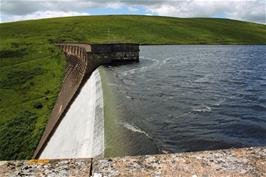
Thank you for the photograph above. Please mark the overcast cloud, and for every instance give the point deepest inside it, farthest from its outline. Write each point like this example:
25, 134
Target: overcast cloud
248, 10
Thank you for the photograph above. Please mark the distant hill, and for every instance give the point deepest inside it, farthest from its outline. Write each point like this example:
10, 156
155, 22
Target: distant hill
32, 68
139, 29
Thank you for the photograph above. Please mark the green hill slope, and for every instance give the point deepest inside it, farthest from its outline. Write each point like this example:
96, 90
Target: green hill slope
139, 29
32, 68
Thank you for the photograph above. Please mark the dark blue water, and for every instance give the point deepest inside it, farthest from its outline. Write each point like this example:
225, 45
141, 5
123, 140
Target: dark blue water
189, 98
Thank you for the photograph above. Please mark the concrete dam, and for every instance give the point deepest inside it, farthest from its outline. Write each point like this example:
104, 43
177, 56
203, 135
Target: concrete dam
76, 125
74, 135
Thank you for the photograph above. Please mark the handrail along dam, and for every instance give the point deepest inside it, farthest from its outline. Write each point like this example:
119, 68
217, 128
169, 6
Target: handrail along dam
82, 60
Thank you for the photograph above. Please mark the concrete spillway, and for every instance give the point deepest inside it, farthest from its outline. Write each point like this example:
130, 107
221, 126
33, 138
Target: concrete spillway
72, 128
80, 134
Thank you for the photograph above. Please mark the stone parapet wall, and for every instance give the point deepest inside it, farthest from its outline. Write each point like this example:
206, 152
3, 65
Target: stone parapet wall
243, 162
112, 48
124, 56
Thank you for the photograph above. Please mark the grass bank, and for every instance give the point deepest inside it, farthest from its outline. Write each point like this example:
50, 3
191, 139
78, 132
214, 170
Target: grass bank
30, 77
32, 68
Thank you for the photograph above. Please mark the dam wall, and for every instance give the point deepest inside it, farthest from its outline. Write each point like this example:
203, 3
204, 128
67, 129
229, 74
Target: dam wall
81, 131
82, 60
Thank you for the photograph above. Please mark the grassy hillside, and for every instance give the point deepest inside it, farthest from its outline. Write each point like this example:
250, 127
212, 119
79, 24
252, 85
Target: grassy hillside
31, 67
140, 29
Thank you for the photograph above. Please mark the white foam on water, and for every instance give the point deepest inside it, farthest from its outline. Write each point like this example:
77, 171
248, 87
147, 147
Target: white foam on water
141, 69
202, 108
219, 102
80, 134
135, 129
166, 60
203, 79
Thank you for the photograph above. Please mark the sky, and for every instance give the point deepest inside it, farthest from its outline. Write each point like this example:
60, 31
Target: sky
246, 10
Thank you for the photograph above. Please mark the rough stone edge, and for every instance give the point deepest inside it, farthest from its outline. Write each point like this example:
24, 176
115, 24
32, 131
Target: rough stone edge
242, 162
228, 162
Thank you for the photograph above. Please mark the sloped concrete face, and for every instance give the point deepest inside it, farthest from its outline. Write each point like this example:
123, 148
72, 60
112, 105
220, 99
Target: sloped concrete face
74, 76
81, 131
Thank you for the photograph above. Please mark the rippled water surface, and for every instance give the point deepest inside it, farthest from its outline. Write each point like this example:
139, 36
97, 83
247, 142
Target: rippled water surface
189, 98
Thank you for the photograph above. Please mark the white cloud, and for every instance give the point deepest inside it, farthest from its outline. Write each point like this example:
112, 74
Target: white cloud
242, 10
132, 9
24, 7
189, 8
43, 14
251, 10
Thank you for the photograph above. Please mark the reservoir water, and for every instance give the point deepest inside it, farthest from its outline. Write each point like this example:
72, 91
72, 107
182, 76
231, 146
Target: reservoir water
190, 98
